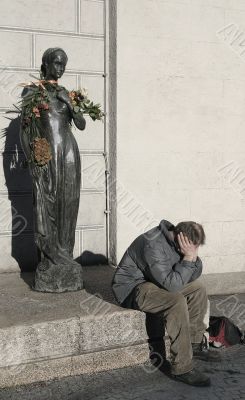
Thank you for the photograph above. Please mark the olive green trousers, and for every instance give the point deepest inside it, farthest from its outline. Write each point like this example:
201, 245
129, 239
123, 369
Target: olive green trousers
183, 314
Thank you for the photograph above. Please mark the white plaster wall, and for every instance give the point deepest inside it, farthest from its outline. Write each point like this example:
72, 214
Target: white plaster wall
181, 121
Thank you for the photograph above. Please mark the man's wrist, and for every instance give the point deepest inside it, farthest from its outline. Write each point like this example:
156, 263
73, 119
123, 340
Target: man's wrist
189, 258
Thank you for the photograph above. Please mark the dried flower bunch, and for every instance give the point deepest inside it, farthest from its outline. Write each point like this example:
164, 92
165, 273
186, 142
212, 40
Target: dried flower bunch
41, 151
34, 103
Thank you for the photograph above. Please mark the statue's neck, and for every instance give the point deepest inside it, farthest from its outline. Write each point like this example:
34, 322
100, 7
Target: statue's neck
50, 79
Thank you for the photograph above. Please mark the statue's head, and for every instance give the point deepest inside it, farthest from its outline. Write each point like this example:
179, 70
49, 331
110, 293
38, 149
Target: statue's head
53, 63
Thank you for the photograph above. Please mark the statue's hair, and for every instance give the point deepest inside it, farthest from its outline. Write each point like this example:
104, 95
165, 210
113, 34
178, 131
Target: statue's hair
48, 56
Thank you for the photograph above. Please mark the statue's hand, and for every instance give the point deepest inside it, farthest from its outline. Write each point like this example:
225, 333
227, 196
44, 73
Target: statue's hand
63, 96
35, 170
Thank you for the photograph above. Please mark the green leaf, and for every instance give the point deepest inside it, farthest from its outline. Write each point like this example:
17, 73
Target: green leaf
76, 109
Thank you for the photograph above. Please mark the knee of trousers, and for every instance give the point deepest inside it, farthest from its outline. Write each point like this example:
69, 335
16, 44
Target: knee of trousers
199, 287
178, 302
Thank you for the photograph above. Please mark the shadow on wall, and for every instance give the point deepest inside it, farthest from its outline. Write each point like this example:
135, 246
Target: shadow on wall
89, 258
19, 186
96, 280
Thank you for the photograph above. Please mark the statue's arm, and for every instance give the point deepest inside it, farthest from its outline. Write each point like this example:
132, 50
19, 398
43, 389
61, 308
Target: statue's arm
79, 120
77, 117
24, 139
24, 136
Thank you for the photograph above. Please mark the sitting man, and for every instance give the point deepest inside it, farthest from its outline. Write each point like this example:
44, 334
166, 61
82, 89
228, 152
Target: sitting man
158, 274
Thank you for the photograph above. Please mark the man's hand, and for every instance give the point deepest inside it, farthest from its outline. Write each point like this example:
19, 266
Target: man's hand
187, 248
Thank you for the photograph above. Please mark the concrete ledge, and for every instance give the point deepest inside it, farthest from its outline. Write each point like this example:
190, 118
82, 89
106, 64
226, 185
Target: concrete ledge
71, 336
67, 366
45, 335
225, 283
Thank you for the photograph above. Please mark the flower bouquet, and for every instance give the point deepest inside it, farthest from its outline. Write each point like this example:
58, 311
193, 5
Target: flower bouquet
81, 103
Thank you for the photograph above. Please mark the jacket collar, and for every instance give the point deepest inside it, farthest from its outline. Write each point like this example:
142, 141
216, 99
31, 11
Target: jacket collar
165, 226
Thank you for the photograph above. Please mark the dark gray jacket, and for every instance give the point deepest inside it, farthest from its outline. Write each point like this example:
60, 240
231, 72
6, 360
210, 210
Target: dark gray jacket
153, 256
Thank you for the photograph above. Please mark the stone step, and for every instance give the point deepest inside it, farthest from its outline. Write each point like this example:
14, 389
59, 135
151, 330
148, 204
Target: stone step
45, 336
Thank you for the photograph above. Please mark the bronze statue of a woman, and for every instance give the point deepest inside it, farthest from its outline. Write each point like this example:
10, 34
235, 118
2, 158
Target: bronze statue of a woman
54, 162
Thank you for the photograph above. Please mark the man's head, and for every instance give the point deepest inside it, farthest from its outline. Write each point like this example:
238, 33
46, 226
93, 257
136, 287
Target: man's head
192, 230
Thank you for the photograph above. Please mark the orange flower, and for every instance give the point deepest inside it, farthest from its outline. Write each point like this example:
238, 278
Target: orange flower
72, 94
36, 111
43, 106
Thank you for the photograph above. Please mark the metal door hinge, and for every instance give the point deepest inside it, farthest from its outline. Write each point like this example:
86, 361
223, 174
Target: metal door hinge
107, 211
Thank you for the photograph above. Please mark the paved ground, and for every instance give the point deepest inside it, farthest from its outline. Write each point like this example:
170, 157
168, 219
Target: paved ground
144, 383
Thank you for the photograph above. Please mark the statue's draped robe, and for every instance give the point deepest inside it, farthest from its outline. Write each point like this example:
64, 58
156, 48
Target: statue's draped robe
56, 194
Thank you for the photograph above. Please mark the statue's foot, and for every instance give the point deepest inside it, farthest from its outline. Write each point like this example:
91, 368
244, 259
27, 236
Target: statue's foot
61, 256
58, 278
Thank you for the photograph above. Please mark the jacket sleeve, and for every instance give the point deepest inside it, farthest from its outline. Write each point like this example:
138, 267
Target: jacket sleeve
198, 271
170, 277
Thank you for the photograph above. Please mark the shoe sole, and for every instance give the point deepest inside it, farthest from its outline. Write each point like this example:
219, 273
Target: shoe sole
203, 384
206, 360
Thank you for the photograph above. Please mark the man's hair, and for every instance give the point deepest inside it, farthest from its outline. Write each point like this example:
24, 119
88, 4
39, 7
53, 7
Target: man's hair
192, 230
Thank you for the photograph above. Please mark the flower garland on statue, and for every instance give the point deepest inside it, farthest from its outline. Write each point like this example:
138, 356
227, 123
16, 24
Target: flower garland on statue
32, 105
37, 102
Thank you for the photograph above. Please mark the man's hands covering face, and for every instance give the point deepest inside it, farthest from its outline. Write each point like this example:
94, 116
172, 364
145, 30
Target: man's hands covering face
187, 248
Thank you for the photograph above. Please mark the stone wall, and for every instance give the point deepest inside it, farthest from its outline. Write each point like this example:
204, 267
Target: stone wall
177, 140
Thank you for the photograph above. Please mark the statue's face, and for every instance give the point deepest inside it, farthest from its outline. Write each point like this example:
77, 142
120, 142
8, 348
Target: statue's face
56, 68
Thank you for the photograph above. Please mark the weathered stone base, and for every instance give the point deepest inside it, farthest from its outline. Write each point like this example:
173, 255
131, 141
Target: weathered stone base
47, 370
58, 278
48, 335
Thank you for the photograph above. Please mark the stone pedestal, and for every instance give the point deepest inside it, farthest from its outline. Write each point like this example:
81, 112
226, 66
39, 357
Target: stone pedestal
59, 278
